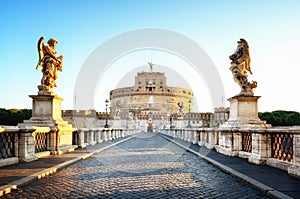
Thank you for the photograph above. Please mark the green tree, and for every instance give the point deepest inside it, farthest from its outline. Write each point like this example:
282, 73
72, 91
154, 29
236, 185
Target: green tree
14, 116
281, 118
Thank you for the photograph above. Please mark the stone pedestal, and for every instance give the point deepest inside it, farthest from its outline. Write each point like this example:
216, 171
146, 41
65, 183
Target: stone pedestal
295, 169
229, 142
180, 123
46, 112
117, 123
26, 145
244, 112
260, 145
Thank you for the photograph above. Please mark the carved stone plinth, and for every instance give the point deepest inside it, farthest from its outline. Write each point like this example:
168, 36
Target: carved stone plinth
46, 111
117, 122
244, 112
180, 123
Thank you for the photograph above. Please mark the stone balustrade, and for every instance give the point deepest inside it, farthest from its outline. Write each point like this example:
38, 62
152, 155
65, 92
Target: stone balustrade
28, 143
23, 144
278, 147
92, 136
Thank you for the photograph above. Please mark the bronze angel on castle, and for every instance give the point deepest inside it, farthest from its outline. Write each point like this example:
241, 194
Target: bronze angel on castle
50, 64
240, 64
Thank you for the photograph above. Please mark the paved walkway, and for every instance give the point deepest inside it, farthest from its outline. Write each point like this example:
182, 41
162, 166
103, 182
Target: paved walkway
14, 176
147, 166
274, 182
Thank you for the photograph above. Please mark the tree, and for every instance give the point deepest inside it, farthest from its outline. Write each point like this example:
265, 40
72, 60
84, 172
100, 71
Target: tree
281, 118
14, 116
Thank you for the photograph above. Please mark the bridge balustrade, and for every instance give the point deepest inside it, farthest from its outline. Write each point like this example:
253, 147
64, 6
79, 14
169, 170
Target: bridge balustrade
40, 141
278, 147
282, 146
28, 143
247, 142
91, 136
8, 143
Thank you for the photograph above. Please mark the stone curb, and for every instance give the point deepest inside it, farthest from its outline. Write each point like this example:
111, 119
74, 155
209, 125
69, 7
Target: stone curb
5, 189
272, 193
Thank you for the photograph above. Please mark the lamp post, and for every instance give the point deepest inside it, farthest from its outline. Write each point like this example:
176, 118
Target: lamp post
127, 120
170, 115
106, 119
189, 119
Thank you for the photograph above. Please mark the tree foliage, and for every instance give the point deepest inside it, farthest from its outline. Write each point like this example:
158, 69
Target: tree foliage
281, 118
14, 116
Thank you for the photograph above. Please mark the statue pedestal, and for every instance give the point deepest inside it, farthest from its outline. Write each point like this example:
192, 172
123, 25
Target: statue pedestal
180, 123
46, 112
244, 112
117, 123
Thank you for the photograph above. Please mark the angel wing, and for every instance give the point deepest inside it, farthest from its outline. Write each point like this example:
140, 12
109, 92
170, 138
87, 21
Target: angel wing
247, 64
41, 53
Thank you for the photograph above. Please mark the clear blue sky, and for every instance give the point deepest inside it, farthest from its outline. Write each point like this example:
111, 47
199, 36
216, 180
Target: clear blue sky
272, 28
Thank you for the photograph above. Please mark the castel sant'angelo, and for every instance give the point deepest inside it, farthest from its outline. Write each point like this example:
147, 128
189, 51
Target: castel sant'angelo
150, 97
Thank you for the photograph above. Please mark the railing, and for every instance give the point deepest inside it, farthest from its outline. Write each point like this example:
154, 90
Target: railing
278, 147
40, 142
28, 143
247, 142
91, 136
282, 146
85, 136
75, 138
7, 145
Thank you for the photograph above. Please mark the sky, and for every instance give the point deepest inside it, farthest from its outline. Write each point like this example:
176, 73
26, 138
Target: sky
271, 27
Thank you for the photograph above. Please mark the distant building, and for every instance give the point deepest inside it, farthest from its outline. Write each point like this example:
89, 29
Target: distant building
150, 97
149, 100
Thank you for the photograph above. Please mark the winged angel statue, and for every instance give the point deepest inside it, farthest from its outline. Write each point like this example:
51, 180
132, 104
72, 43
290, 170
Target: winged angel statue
50, 64
240, 64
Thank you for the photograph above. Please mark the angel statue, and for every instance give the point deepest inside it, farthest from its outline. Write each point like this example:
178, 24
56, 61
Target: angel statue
117, 110
180, 109
240, 64
50, 64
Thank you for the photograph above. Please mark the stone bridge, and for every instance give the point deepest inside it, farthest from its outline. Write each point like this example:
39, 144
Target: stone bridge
125, 163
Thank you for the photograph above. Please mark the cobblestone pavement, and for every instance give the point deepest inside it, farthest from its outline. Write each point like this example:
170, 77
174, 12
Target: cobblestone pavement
147, 166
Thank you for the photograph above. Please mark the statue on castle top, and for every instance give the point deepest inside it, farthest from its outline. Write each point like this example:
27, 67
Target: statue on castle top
151, 66
50, 64
240, 64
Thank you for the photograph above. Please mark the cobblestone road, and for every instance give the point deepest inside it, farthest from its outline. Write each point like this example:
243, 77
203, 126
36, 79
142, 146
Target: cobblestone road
147, 166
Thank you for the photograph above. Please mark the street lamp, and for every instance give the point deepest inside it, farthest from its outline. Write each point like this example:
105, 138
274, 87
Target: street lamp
106, 119
189, 119
170, 120
127, 120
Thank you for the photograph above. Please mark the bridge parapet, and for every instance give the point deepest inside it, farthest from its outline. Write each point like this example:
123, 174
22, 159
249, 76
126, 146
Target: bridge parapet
28, 143
277, 147
83, 137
